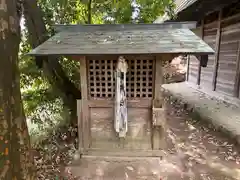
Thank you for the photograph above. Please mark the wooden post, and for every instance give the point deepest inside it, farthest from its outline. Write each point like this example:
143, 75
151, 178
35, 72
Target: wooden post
158, 80
199, 71
200, 58
80, 126
188, 64
85, 122
237, 77
217, 51
158, 130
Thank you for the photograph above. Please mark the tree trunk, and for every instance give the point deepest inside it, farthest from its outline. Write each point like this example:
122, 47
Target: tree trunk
16, 162
90, 12
50, 65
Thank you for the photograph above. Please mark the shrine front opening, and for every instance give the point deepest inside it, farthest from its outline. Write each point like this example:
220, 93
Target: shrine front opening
101, 81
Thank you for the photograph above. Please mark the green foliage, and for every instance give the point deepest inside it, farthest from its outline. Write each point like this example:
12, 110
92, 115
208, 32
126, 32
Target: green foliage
138, 11
39, 100
149, 10
71, 68
69, 12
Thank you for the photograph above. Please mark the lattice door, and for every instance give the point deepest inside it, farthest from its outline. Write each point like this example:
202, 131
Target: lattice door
101, 80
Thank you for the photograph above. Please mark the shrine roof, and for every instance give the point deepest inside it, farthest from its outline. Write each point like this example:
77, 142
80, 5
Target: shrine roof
174, 38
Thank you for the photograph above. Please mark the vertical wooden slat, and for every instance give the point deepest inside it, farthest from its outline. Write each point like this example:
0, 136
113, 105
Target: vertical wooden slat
106, 78
94, 78
112, 78
89, 78
147, 76
80, 126
199, 62
100, 75
141, 77
153, 77
84, 105
129, 77
188, 64
217, 52
237, 77
135, 78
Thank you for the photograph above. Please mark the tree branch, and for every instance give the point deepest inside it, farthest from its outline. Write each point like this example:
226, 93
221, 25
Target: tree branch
90, 12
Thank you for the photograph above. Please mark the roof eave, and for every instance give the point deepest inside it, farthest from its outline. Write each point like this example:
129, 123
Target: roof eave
88, 54
165, 25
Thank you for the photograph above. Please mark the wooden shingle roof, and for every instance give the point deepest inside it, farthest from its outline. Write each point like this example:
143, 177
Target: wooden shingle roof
123, 39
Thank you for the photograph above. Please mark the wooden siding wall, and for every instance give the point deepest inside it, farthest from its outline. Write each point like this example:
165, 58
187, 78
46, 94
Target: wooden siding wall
193, 64
228, 59
222, 72
210, 35
206, 72
193, 70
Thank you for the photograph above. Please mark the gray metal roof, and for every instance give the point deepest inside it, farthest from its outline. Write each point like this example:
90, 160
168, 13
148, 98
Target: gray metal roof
123, 39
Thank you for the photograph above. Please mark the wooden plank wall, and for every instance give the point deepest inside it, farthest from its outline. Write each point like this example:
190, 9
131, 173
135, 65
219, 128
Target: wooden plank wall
104, 136
222, 72
206, 72
228, 59
210, 36
193, 70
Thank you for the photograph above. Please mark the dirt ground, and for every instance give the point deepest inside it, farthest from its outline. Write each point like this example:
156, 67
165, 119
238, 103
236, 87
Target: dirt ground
194, 152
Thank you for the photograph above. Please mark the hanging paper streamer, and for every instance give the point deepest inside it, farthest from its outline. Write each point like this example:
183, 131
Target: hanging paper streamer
120, 123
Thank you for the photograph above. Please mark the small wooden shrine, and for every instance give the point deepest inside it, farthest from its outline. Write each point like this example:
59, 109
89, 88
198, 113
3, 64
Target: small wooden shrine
121, 110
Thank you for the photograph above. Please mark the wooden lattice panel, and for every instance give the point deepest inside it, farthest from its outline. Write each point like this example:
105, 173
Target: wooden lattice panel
101, 80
